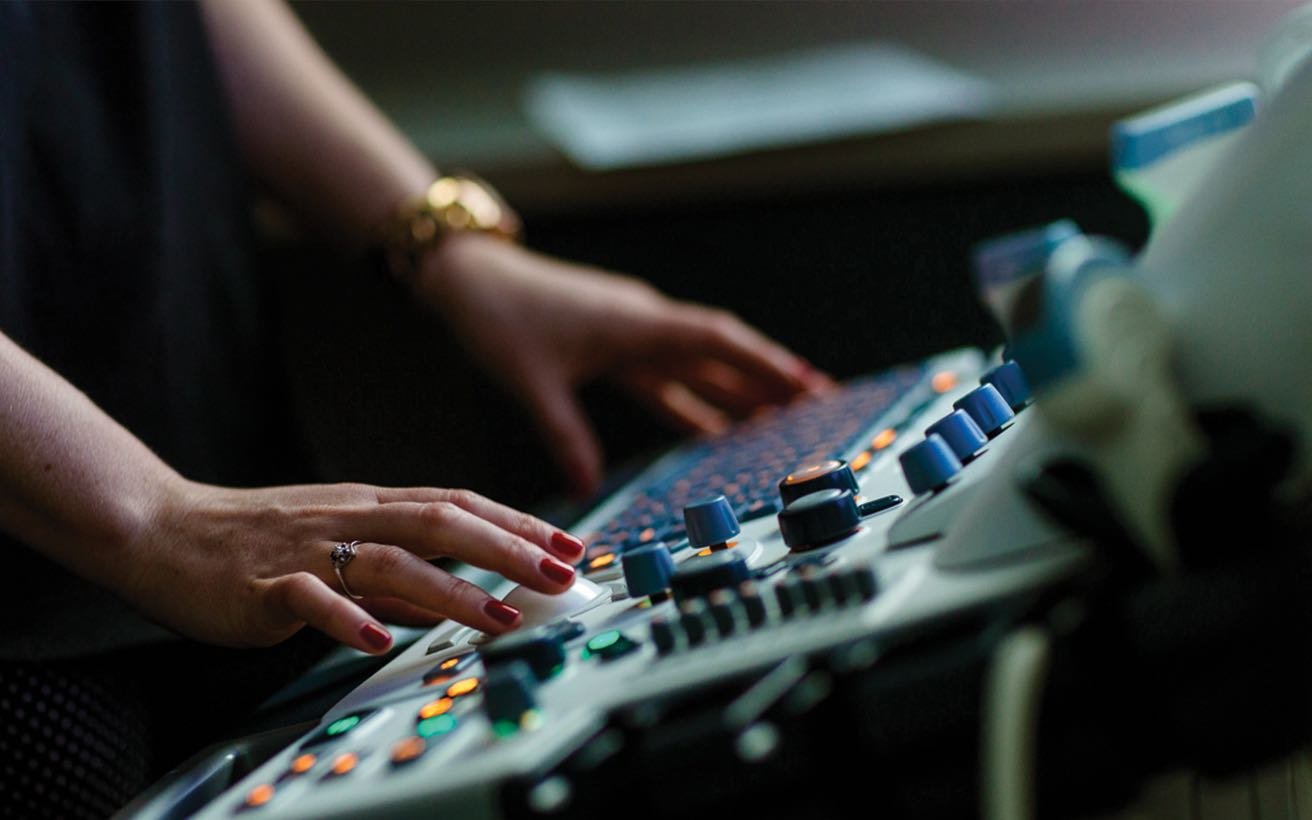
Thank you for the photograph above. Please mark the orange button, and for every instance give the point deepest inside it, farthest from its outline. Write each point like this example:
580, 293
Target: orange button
646, 535
449, 663
883, 438
344, 763
303, 764
435, 707
602, 561
408, 749
462, 687
861, 461
943, 381
259, 795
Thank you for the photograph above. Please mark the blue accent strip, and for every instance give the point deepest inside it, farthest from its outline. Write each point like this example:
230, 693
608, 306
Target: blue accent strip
1147, 138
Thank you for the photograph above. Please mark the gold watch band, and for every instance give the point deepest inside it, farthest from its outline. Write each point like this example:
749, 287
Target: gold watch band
451, 204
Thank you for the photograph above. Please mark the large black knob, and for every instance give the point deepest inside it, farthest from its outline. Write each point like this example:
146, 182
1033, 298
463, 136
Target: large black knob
827, 475
816, 519
703, 574
542, 648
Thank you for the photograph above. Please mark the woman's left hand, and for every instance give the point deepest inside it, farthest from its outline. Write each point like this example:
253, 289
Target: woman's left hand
545, 327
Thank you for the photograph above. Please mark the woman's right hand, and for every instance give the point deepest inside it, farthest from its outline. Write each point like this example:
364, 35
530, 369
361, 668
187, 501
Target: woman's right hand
249, 567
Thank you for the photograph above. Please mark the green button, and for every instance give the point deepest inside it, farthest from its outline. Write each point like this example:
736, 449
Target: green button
608, 645
439, 725
342, 725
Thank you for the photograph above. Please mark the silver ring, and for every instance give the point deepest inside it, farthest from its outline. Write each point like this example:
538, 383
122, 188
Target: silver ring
342, 555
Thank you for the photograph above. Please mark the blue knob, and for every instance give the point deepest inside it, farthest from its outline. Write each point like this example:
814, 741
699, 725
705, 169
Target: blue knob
961, 433
710, 521
929, 464
647, 570
1009, 379
819, 518
987, 407
825, 475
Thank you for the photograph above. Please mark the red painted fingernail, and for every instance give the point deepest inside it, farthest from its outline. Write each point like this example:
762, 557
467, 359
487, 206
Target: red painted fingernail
375, 636
566, 544
501, 612
556, 571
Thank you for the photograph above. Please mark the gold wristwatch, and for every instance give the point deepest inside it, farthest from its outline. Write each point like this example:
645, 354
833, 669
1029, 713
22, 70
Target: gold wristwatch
451, 204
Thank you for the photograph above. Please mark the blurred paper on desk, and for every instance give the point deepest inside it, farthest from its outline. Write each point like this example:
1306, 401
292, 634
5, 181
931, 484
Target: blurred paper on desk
687, 113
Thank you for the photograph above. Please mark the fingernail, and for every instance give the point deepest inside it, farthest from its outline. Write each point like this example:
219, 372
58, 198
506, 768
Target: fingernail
375, 636
566, 544
556, 571
500, 612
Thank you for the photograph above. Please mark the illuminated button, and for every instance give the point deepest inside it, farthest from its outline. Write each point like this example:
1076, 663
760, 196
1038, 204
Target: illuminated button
344, 764
436, 726
342, 726
609, 645
259, 795
339, 728
943, 381
435, 707
462, 687
408, 750
601, 561
302, 764
446, 670
861, 461
883, 438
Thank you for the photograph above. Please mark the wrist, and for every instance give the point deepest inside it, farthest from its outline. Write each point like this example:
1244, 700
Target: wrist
452, 207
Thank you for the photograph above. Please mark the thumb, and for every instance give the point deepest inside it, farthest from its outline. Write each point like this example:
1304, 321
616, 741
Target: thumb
568, 433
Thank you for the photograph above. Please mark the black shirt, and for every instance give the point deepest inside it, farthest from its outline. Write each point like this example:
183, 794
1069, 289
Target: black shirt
126, 264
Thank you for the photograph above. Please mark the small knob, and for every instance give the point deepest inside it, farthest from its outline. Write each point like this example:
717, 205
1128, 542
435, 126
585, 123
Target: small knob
647, 571
702, 574
509, 692
832, 474
710, 522
929, 465
541, 648
987, 407
818, 518
1010, 381
961, 433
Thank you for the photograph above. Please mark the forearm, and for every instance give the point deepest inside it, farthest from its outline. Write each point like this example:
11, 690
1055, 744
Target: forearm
74, 484
303, 126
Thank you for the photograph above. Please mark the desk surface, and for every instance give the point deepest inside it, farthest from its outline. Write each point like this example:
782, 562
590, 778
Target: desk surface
452, 75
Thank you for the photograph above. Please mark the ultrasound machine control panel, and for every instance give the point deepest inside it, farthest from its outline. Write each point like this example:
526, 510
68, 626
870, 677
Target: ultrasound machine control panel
803, 528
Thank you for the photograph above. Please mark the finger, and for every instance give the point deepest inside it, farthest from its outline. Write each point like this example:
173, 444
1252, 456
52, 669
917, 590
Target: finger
307, 598
674, 402
568, 434
387, 571
723, 387
396, 611
699, 331
528, 527
432, 529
